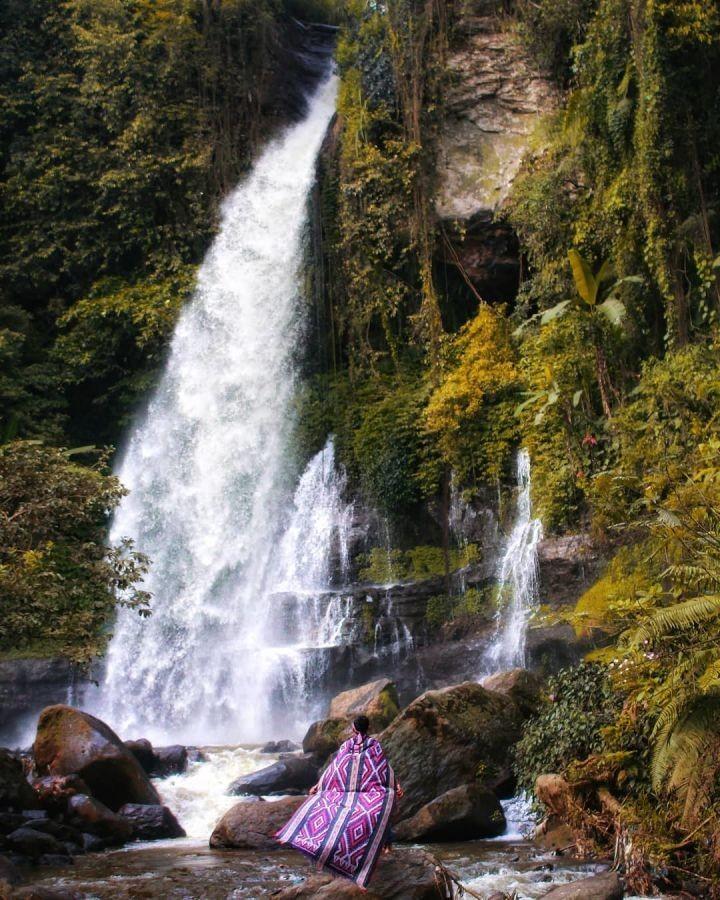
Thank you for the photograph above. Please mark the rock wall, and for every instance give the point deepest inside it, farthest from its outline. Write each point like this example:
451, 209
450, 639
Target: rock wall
29, 685
493, 102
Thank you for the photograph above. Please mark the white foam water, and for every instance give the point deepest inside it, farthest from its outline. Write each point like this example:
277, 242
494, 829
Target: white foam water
210, 475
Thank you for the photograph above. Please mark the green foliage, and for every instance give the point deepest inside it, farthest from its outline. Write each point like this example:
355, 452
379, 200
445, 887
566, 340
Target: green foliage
384, 566
58, 579
550, 28
470, 412
120, 125
473, 604
112, 342
579, 703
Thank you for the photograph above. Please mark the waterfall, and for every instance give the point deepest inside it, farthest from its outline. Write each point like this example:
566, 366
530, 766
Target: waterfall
210, 472
517, 580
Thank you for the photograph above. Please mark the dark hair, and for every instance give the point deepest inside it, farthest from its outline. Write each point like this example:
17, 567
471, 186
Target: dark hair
361, 724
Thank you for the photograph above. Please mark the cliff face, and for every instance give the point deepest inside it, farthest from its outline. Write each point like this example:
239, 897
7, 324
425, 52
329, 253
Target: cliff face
493, 102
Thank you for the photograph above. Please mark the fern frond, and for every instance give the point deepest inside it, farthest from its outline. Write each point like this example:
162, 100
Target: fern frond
710, 678
696, 613
676, 752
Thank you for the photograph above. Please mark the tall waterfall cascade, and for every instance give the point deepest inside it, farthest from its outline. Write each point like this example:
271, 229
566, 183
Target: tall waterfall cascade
517, 579
211, 478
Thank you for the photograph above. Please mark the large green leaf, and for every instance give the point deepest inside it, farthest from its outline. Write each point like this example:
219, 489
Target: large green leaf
613, 310
585, 282
554, 312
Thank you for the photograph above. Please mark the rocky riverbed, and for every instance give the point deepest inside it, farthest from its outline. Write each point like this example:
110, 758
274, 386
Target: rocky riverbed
85, 815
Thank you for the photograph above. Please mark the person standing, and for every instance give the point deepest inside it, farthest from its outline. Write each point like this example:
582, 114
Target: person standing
344, 824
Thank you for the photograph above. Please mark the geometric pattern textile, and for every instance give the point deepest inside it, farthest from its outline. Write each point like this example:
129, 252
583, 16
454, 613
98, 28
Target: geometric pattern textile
344, 826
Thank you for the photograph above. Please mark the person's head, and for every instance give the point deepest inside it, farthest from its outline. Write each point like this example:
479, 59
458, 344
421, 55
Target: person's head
361, 724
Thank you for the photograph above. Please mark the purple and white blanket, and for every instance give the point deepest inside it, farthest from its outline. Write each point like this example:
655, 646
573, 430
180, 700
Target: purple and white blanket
345, 825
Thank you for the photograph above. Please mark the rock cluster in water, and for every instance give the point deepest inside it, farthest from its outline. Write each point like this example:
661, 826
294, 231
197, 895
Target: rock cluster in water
80, 789
450, 750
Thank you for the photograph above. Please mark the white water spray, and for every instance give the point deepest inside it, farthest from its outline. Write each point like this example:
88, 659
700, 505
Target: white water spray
209, 472
518, 580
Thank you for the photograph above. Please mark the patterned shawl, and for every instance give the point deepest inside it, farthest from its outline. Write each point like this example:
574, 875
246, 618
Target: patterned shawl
344, 826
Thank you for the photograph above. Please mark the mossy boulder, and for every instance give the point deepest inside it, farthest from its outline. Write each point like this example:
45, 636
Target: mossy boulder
70, 742
378, 700
324, 737
452, 737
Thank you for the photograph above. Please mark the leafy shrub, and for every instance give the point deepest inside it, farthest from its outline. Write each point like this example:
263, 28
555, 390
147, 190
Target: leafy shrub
579, 703
58, 579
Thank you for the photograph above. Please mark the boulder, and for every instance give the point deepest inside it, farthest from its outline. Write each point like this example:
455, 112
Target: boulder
170, 760
279, 747
324, 737
378, 700
605, 886
9, 875
451, 737
54, 791
290, 773
251, 826
521, 686
15, 792
34, 843
93, 817
151, 823
143, 752
403, 875
462, 814
69, 741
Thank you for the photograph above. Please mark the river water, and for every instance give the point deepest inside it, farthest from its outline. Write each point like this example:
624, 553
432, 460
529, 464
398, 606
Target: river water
187, 869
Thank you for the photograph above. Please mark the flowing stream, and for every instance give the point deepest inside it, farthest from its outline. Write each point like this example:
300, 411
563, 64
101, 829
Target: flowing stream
210, 476
517, 580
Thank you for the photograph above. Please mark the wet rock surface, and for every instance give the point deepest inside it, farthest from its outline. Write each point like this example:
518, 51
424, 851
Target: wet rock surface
69, 742
251, 825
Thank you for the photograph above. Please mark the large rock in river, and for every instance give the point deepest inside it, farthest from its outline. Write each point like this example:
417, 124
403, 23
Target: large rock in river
291, 773
378, 700
69, 741
461, 814
451, 737
250, 825
403, 875
605, 886
15, 792
151, 823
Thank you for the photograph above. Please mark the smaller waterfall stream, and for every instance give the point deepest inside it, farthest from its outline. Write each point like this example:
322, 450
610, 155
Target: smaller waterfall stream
517, 579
